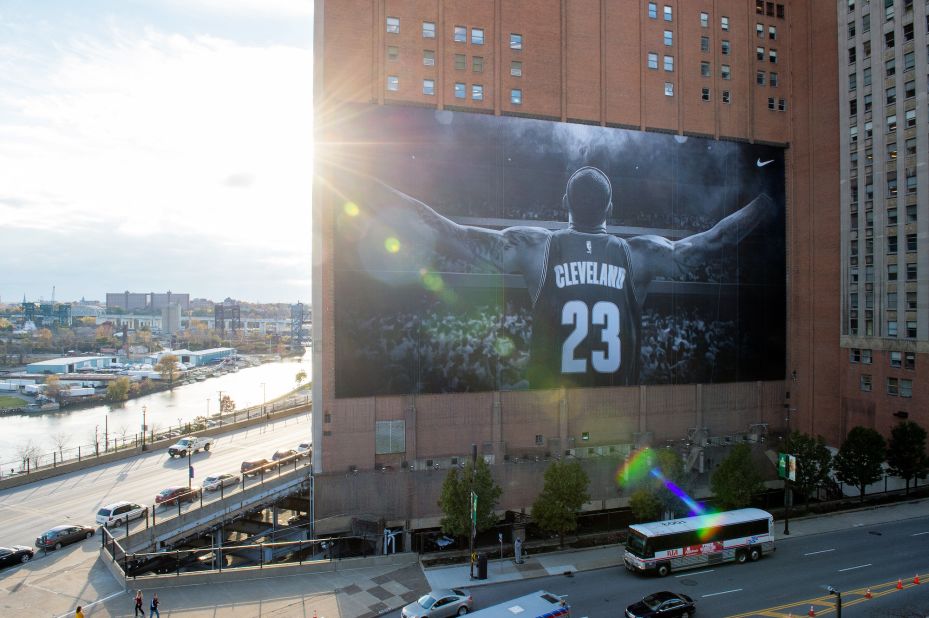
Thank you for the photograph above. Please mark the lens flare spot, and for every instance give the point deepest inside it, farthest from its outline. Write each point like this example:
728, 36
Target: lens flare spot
392, 245
433, 282
351, 209
504, 347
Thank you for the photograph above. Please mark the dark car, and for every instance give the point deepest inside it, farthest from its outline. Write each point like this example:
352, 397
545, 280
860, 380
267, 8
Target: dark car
662, 604
17, 554
255, 466
285, 455
176, 494
58, 536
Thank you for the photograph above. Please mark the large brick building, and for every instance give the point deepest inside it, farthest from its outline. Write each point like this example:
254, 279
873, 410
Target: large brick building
733, 71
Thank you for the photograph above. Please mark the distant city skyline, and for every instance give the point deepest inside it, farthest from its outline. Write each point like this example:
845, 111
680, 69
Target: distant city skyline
156, 145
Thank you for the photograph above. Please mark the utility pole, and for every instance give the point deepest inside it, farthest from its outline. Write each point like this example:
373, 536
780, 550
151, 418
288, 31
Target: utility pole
787, 488
144, 425
472, 502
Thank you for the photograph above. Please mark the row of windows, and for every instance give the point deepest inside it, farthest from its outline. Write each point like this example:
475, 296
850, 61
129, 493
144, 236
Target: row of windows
461, 61
459, 35
912, 243
888, 15
772, 78
909, 150
699, 537
477, 90
896, 387
890, 97
890, 126
897, 360
892, 329
888, 7
890, 69
892, 219
705, 95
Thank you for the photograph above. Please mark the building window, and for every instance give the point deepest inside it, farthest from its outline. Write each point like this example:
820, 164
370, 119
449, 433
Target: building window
909, 89
907, 32
772, 33
891, 245
910, 146
911, 243
477, 92
759, 7
911, 213
760, 78
780, 11
704, 43
389, 437
852, 81
893, 387
669, 63
725, 47
889, 39
891, 272
705, 94
772, 80
911, 329
652, 10
772, 56
851, 5
772, 103
759, 30
428, 30
891, 123
866, 22
460, 62
428, 57
461, 34
668, 89
910, 118
477, 36
393, 83
652, 60
865, 382
891, 216
888, 9
668, 38
704, 20
890, 95
759, 52
725, 72
909, 61
393, 52
866, 357
516, 41
668, 15
906, 388
909, 360
896, 359
724, 23
726, 96
477, 64
459, 90
854, 355
866, 49
890, 67
911, 271
851, 29
516, 96
516, 68
429, 87
704, 69
892, 328
851, 55
393, 25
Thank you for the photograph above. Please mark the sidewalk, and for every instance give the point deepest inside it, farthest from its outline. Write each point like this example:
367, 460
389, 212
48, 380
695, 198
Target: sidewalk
372, 591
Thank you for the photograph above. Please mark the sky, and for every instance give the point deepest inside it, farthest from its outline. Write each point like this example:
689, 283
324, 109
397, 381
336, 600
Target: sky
155, 145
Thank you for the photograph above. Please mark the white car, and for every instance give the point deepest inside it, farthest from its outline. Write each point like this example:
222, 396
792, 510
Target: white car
304, 449
215, 481
119, 513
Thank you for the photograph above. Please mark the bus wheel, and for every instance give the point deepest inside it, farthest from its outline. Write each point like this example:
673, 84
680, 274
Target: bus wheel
754, 554
663, 569
741, 556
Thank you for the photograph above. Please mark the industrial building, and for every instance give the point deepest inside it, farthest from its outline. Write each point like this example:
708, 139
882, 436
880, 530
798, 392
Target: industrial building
146, 301
445, 102
72, 364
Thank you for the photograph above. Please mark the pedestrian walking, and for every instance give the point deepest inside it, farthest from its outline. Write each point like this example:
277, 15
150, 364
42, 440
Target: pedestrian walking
139, 610
153, 607
78, 613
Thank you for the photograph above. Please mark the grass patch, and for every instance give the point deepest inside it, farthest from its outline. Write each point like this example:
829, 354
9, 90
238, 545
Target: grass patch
12, 402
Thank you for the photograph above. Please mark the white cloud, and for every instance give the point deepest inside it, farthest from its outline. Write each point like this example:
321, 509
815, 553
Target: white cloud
162, 133
270, 8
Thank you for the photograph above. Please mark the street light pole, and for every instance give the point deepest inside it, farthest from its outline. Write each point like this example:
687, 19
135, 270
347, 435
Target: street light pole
144, 425
787, 494
264, 397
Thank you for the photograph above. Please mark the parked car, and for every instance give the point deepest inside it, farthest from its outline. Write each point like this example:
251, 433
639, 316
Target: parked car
17, 554
284, 456
119, 513
56, 537
215, 481
255, 466
662, 604
440, 603
176, 494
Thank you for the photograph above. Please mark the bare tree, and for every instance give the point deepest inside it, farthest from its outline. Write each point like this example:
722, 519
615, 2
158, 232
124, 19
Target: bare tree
123, 432
28, 454
61, 441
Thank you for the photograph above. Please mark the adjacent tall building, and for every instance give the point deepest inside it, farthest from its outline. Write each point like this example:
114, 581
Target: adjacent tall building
443, 127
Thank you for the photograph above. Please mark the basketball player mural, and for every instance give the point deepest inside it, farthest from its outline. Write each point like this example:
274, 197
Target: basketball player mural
586, 286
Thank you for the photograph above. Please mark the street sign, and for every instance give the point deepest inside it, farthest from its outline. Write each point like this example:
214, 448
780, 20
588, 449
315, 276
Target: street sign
191, 471
787, 466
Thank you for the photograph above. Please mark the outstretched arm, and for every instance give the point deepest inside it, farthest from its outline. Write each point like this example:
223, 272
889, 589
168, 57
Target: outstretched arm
655, 256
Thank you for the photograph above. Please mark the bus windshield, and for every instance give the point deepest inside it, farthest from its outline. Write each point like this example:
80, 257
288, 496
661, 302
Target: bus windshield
635, 543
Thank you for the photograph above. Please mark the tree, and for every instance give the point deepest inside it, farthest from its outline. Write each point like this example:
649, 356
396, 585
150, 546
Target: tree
736, 479
814, 461
226, 404
300, 377
43, 338
860, 457
53, 387
118, 389
455, 500
906, 452
61, 440
167, 367
654, 473
645, 505
563, 494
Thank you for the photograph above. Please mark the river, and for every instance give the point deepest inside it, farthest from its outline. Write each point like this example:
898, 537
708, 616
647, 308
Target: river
163, 409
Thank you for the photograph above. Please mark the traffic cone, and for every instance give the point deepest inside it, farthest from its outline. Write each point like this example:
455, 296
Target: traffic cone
811, 613
868, 594
899, 584
916, 579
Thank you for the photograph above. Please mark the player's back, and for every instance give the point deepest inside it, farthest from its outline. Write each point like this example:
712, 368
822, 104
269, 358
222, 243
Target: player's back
586, 321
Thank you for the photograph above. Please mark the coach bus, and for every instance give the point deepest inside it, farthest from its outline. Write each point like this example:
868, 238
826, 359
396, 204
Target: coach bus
691, 542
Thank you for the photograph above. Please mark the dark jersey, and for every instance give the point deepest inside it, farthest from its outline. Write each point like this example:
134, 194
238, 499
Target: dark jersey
586, 322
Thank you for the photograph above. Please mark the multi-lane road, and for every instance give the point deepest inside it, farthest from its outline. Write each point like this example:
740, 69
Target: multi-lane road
27, 511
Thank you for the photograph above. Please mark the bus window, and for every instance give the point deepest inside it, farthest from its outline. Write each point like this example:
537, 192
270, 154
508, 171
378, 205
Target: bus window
636, 544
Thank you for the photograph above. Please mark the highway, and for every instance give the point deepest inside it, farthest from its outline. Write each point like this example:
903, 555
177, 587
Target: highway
27, 511
788, 582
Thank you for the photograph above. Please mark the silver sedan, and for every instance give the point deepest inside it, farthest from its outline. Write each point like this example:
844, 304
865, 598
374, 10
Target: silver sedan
215, 481
440, 603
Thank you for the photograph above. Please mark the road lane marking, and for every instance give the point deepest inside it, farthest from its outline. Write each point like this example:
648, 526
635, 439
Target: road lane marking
715, 594
697, 573
920, 533
860, 566
823, 551
103, 600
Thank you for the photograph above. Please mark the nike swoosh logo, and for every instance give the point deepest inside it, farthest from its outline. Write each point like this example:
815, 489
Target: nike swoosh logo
761, 163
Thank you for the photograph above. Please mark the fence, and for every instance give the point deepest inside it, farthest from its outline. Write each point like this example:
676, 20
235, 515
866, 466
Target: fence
31, 460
